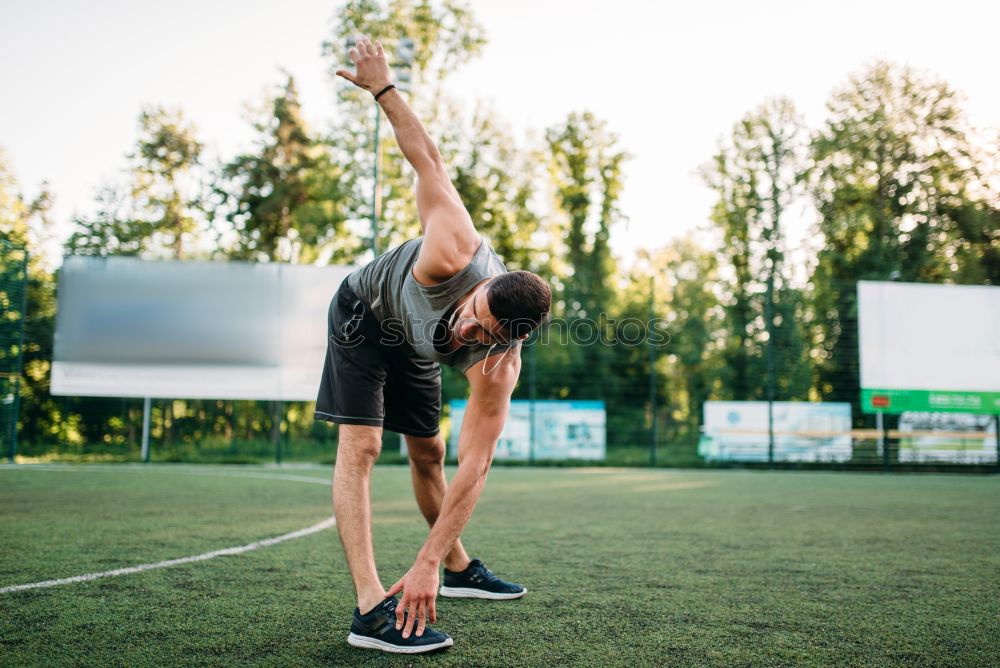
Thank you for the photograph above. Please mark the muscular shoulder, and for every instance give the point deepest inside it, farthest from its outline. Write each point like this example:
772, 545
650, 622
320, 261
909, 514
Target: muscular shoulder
441, 257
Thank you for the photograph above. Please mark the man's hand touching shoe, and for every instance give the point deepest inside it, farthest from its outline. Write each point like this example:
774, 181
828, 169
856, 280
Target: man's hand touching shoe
420, 588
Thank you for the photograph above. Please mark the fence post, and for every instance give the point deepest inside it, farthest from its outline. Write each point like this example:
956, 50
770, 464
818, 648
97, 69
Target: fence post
276, 407
652, 374
146, 408
880, 425
769, 356
996, 423
14, 373
531, 398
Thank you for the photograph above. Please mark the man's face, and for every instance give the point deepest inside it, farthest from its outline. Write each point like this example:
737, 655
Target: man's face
475, 324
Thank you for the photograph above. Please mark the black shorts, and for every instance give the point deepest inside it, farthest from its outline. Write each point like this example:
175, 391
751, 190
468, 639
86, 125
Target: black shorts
369, 379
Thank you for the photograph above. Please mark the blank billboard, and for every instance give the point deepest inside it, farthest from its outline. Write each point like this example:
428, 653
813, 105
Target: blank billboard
928, 347
211, 330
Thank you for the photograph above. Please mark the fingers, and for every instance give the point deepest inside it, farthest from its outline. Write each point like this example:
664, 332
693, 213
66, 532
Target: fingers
421, 618
400, 610
433, 609
411, 618
364, 46
378, 49
354, 54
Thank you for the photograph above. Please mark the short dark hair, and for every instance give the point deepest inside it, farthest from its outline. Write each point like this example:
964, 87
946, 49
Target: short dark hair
519, 300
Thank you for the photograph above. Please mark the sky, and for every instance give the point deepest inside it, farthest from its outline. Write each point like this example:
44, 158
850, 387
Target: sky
669, 79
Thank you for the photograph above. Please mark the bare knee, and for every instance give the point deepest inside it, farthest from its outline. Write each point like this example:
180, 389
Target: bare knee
426, 453
358, 446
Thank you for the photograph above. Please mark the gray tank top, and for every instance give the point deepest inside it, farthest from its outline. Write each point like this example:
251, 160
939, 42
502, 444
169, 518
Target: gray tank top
404, 306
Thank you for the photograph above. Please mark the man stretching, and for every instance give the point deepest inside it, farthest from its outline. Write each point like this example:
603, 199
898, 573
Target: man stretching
445, 298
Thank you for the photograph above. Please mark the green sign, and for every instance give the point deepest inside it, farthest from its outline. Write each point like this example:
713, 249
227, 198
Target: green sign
935, 401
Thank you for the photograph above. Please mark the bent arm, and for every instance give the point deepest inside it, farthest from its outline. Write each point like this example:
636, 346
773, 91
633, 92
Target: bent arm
485, 415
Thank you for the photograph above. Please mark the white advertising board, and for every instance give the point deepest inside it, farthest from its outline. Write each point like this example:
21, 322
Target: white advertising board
958, 438
563, 430
927, 347
804, 431
197, 330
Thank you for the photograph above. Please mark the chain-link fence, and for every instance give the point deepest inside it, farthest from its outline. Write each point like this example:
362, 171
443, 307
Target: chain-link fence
13, 296
664, 375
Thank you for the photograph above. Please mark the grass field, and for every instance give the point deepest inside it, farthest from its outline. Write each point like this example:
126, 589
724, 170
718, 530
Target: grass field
624, 567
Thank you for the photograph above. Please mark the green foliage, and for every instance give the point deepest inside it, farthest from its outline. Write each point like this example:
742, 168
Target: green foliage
893, 182
157, 209
445, 34
692, 370
497, 180
584, 163
285, 201
585, 168
901, 187
756, 176
27, 223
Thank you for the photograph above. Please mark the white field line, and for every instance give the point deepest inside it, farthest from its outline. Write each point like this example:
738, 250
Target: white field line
249, 547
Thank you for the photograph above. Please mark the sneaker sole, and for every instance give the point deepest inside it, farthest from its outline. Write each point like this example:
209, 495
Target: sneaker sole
469, 592
374, 643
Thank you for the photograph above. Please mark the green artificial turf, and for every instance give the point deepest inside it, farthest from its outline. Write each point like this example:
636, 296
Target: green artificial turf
624, 567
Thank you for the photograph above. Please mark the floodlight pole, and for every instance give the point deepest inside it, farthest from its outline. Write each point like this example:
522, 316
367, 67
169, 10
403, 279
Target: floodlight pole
146, 406
769, 357
375, 189
652, 373
401, 68
531, 403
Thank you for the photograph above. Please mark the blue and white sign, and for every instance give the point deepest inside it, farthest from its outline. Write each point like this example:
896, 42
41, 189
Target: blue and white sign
803, 431
562, 430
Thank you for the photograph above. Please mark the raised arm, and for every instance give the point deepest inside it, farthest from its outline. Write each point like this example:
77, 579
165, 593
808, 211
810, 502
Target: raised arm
450, 239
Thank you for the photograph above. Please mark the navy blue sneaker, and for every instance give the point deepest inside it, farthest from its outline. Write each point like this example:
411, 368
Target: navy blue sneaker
477, 581
377, 630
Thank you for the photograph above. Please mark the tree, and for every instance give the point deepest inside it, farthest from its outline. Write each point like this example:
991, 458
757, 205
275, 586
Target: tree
694, 362
157, 207
894, 178
584, 164
585, 168
25, 222
287, 199
446, 35
756, 175
496, 179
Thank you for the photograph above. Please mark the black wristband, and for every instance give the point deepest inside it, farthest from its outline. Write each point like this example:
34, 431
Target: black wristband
384, 91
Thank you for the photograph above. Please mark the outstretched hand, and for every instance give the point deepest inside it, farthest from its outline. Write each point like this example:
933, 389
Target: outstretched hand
372, 67
419, 586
